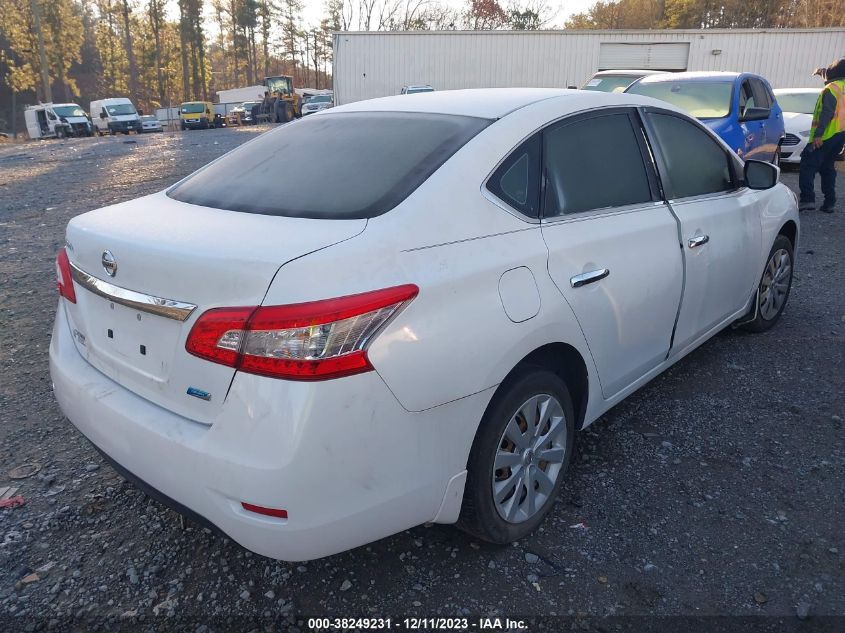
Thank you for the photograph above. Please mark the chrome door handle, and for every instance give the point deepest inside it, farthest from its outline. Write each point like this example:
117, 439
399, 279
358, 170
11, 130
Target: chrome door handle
698, 240
587, 278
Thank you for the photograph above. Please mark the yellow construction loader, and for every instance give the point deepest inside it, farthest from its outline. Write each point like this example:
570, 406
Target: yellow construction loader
285, 103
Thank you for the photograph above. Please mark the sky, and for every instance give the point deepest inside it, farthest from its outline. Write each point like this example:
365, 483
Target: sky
313, 9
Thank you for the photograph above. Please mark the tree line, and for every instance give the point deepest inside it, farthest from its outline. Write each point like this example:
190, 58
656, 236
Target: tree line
161, 52
709, 14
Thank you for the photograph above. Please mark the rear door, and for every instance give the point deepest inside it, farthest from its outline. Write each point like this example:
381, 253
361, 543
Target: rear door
719, 222
613, 244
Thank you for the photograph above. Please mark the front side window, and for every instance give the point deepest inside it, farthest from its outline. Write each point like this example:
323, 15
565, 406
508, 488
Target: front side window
746, 98
694, 163
348, 165
517, 180
593, 163
702, 99
762, 96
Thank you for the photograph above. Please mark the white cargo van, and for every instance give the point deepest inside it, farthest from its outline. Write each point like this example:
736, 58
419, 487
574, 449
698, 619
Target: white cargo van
57, 120
115, 115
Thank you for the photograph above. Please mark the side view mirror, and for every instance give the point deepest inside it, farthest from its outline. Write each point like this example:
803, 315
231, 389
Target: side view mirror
759, 174
102, 115
755, 114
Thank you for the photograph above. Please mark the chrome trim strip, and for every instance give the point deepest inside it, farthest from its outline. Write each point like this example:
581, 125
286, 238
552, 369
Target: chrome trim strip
168, 308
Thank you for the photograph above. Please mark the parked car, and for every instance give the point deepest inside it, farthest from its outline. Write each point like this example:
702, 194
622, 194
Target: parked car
420, 342
197, 115
798, 105
316, 103
150, 123
243, 113
114, 115
412, 90
739, 107
616, 80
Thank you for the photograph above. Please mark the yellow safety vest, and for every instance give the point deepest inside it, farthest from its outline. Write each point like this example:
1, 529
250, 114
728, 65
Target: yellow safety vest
837, 123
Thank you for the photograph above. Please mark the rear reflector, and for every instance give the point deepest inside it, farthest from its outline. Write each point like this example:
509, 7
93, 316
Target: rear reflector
64, 282
270, 512
317, 340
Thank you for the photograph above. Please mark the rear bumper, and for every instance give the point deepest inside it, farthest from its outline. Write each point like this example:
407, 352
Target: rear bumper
345, 460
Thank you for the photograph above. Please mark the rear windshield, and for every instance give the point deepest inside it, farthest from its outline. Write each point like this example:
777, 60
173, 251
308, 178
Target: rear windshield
610, 83
702, 99
331, 166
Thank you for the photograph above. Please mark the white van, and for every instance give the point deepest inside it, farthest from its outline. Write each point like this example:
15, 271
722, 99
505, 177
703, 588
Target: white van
49, 120
115, 115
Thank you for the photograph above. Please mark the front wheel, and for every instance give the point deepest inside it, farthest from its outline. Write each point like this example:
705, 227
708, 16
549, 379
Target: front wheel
775, 284
519, 457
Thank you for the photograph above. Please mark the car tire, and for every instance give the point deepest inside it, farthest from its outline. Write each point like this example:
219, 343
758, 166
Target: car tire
776, 157
482, 514
775, 285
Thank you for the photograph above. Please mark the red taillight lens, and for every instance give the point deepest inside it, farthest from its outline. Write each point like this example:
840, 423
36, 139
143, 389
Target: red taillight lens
316, 340
270, 512
64, 281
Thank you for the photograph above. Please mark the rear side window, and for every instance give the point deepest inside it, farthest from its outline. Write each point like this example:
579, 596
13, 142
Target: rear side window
517, 180
694, 163
337, 166
593, 163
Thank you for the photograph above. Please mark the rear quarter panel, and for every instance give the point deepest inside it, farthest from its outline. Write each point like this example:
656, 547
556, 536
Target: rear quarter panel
455, 338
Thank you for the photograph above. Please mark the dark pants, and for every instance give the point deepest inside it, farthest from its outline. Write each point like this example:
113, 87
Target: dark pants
820, 161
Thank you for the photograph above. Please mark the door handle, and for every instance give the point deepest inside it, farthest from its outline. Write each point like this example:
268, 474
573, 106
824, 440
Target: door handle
698, 240
587, 278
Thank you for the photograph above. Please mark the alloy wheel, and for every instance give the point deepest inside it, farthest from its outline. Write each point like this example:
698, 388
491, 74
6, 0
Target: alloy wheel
529, 458
774, 287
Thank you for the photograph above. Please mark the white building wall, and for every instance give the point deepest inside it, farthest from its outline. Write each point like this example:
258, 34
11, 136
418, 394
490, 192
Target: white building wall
377, 64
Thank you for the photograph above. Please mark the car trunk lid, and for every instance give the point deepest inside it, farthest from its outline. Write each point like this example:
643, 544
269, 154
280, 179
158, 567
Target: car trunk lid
172, 262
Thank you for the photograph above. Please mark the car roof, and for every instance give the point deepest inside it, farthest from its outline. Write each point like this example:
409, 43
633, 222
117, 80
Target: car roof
494, 103
702, 76
628, 72
785, 91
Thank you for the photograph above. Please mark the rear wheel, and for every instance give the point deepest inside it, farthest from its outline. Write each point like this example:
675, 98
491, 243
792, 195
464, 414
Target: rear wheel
519, 457
775, 284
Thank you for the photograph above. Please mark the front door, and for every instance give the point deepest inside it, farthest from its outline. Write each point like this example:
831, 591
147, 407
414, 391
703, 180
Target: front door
613, 245
719, 224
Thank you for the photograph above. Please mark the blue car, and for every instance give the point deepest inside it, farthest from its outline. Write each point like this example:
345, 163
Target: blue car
739, 107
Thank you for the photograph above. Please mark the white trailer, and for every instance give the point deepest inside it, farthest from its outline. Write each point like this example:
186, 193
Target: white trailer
377, 64
239, 95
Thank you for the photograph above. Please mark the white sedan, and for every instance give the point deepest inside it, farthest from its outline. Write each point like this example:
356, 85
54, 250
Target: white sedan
150, 123
798, 105
410, 323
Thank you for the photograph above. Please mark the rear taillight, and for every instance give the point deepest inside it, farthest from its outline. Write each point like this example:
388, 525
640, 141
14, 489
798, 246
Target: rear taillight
317, 340
64, 281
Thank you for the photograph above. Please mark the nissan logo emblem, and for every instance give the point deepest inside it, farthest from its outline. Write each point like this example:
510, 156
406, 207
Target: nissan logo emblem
109, 263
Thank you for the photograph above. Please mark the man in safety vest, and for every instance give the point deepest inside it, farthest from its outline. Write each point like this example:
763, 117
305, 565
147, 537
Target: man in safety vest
827, 138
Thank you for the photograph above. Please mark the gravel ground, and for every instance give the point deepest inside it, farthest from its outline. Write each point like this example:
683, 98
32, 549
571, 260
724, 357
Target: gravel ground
718, 489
